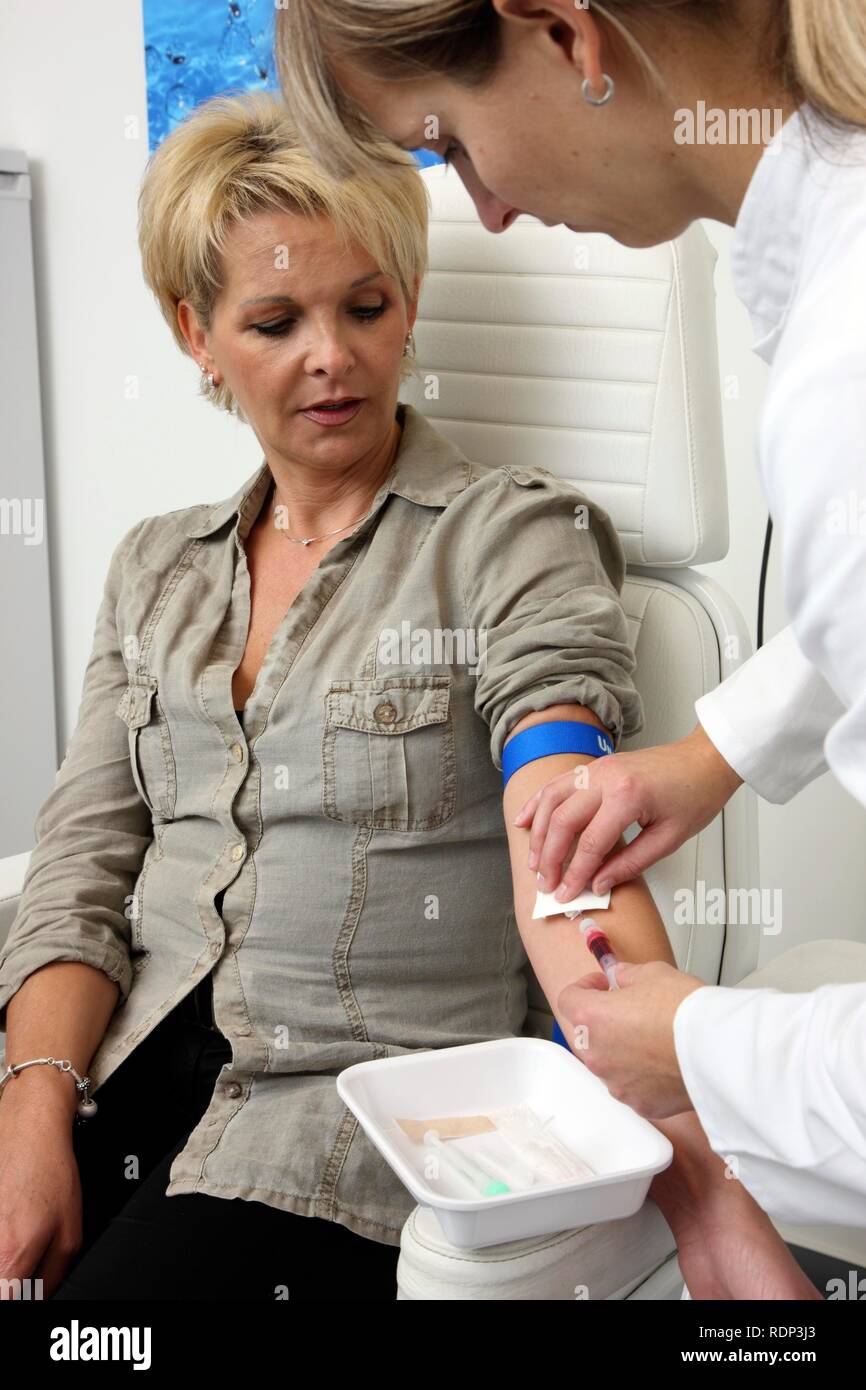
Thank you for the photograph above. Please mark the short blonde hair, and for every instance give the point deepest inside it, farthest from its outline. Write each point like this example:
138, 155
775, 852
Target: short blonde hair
237, 155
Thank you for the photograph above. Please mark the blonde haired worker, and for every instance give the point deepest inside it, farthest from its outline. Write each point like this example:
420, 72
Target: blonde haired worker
577, 114
276, 844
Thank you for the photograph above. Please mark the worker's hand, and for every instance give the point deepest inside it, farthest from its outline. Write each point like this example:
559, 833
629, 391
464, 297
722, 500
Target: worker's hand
672, 792
626, 1035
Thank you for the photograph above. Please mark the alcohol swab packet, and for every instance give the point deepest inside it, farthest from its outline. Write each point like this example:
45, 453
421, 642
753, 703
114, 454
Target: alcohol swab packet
549, 1158
546, 905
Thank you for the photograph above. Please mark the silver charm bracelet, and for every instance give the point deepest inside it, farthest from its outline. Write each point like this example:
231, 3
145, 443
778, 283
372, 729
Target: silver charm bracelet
86, 1107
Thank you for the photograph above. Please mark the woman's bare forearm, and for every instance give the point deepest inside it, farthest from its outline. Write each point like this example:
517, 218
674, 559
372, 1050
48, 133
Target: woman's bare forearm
554, 944
62, 1010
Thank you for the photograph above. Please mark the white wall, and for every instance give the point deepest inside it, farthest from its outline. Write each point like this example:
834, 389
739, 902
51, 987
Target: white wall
126, 434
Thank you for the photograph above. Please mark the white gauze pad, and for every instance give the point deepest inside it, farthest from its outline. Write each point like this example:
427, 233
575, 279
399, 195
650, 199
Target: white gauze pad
546, 905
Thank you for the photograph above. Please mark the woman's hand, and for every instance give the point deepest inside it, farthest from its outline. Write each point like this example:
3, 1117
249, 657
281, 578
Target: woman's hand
626, 1035
672, 792
40, 1191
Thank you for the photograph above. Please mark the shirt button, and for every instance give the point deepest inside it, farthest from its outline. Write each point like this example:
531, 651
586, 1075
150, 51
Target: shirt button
233, 1090
238, 851
215, 948
385, 713
237, 752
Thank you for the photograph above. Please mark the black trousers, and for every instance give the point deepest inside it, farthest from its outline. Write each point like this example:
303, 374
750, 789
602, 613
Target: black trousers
140, 1244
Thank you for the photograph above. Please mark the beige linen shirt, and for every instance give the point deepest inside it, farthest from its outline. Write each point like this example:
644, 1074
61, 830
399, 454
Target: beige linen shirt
355, 821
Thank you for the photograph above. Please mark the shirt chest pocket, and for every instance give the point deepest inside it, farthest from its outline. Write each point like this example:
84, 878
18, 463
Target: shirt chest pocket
151, 755
388, 752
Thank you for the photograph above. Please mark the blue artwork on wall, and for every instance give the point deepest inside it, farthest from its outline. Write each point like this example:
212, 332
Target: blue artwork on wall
195, 49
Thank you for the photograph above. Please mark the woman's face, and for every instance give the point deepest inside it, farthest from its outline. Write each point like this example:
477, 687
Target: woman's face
299, 321
527, 141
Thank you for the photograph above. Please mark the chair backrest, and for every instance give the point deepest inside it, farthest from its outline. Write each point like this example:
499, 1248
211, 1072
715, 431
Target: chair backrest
599, 363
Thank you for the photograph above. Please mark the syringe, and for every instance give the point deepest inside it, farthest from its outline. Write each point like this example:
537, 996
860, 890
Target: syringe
466, 1167
600, 947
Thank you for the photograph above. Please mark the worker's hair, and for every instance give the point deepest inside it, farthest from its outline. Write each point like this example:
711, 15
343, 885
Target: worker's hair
816, 50
237, 155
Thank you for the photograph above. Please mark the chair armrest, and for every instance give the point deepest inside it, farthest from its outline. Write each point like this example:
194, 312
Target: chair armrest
606, 1260
12, 872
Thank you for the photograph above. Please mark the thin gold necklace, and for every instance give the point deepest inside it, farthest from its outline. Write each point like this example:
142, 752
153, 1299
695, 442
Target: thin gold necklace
308, 540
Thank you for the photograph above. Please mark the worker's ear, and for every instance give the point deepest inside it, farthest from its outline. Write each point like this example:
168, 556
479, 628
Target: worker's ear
569, 25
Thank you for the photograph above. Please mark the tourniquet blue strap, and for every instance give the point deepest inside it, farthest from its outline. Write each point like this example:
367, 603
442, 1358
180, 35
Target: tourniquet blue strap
557, 736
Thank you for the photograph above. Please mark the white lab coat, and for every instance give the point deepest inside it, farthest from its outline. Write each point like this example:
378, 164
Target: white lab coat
779, 1080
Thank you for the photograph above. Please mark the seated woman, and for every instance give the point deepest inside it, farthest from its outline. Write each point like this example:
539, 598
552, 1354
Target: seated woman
284, 784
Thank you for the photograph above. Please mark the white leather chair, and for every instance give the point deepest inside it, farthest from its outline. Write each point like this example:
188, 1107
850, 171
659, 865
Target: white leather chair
599, 363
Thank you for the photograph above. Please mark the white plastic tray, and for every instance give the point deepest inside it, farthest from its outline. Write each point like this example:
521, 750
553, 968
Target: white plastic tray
625, 1150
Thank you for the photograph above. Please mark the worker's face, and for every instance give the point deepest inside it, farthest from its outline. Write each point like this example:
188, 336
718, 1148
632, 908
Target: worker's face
300, 321
527, 141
